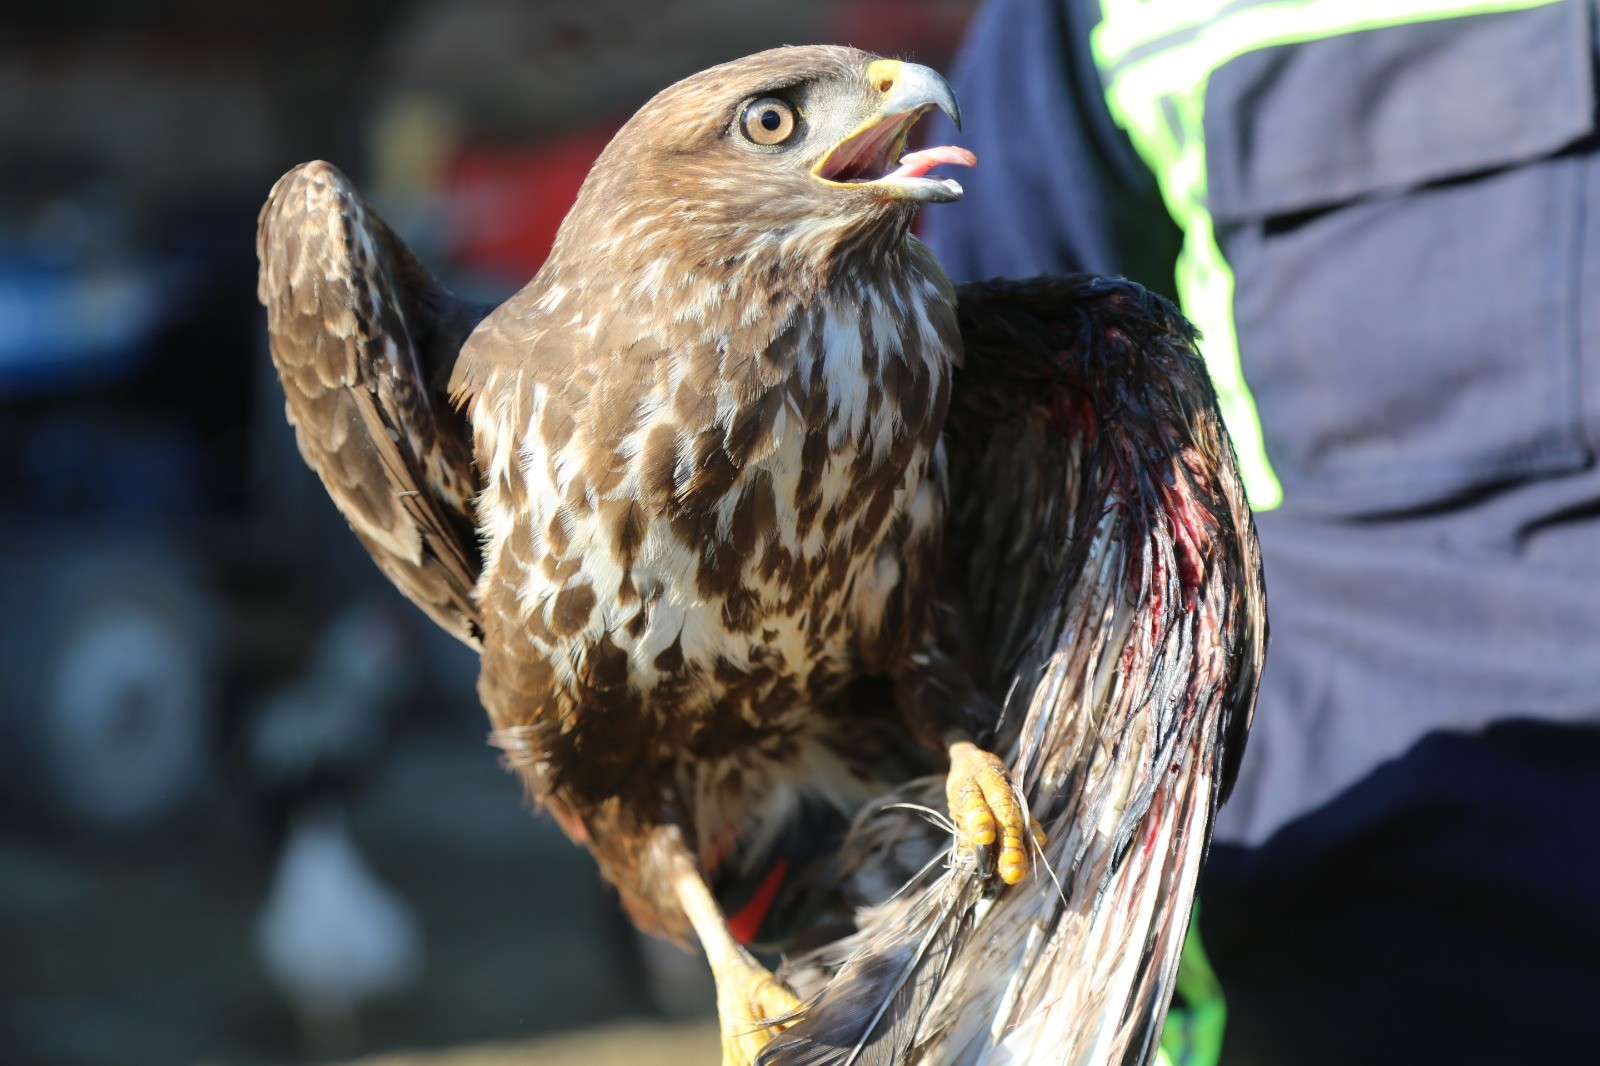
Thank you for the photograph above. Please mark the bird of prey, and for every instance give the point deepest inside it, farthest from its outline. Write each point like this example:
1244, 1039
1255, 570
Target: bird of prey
750, 511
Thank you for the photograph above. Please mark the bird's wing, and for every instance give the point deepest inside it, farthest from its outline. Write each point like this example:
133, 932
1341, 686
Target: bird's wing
1112, 567
364, 340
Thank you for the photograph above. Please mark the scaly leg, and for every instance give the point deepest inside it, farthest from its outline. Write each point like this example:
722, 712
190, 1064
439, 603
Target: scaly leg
984, 807
936, 693
941, 704
747, 993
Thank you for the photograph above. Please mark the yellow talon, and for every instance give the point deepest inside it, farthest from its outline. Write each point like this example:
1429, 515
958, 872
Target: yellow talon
752, 1004
749, 998
979, 822
984, 805
1013, 862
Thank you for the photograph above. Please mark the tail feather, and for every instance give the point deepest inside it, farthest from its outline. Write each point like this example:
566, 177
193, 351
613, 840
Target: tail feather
884, 982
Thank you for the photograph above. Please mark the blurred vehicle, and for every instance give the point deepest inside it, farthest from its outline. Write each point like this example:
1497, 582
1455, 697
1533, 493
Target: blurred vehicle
154, 522
113, 644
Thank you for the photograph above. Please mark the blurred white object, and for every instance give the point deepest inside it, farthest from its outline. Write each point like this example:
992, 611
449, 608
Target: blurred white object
331, 935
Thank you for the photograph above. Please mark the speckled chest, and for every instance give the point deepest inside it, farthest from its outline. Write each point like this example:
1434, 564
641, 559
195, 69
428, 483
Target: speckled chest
709, 548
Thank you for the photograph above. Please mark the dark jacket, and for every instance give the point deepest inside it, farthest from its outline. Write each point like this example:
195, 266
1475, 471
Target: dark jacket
1409, 869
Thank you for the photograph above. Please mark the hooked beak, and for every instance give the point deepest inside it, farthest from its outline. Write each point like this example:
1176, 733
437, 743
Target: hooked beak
868, 157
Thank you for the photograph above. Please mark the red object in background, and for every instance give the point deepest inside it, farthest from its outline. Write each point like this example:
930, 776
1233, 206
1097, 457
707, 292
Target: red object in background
902, 29
507, 203
745, 922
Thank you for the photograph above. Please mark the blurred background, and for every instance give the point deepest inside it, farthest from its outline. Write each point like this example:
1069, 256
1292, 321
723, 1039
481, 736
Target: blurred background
247, 810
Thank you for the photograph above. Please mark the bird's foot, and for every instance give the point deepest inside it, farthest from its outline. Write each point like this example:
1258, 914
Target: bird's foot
987, 814
753, 1006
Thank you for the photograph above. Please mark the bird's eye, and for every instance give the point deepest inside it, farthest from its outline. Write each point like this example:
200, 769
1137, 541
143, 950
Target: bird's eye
768, 121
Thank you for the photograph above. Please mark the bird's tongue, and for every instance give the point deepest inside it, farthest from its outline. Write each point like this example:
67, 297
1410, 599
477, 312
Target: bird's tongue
916, 164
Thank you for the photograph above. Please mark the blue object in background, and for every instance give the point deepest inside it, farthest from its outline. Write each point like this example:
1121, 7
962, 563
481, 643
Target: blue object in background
63, 327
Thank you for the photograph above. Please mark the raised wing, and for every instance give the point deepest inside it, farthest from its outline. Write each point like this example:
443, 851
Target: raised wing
1112, 567
364, 340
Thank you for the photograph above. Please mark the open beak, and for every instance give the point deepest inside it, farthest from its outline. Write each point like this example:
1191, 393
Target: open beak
871, 156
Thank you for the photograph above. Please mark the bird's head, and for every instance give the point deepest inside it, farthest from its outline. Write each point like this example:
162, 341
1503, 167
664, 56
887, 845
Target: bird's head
773, 149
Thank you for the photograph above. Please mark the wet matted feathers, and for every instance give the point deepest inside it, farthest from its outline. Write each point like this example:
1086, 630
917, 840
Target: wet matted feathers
741, 500
1113, 563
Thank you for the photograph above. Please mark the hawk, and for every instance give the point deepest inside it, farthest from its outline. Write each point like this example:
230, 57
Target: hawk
748, 509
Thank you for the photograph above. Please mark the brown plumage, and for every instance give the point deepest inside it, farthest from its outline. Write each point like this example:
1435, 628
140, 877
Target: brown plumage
1114, 576
720, 566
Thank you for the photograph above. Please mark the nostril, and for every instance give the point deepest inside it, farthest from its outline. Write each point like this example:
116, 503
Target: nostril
885, 84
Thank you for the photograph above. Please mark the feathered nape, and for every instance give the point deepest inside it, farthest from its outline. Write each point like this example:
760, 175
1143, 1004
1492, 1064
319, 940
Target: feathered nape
1118, 587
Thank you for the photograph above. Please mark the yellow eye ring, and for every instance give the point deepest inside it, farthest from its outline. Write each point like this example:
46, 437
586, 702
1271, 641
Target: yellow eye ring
768, 121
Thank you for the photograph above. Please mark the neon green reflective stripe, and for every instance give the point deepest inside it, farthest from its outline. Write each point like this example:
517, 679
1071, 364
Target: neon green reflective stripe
1127, 24
1118, 34
1193, 1034
1159, 98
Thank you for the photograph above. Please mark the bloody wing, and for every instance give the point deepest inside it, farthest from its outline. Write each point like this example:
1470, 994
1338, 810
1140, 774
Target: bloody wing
364, 339
1111, 565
